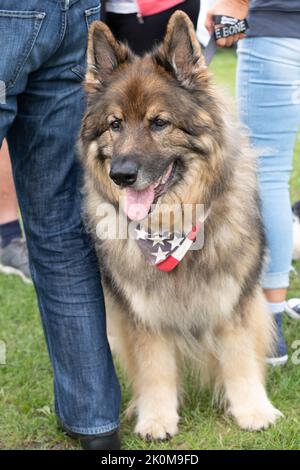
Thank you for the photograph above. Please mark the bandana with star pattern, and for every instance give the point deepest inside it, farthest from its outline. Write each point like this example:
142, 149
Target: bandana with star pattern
165, 251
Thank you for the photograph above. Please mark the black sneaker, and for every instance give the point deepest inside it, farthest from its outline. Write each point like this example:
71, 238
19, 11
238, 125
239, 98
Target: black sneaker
280, 356
106, 441
292, 308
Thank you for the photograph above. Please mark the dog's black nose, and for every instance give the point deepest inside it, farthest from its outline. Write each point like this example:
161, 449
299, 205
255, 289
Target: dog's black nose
124, 172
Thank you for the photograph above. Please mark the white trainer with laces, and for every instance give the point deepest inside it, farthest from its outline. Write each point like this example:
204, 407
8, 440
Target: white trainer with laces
293, 308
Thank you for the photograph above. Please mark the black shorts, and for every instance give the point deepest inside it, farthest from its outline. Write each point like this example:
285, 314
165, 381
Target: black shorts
141, 37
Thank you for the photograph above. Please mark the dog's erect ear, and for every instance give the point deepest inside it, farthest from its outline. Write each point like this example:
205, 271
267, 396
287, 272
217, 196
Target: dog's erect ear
104, 55
181, 50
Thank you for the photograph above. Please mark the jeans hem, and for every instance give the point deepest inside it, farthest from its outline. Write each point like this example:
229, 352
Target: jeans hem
275, 280
89, 431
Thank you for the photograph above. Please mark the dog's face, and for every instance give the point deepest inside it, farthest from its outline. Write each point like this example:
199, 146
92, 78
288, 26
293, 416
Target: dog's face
152, 129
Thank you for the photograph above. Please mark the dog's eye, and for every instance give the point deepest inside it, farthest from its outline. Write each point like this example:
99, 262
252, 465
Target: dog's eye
158, 124
115, 125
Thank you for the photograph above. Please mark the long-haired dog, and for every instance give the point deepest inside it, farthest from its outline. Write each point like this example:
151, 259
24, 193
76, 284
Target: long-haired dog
157, 134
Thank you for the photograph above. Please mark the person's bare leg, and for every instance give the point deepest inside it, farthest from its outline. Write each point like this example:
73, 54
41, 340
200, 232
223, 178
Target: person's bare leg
13, 249
275, 295
8, 198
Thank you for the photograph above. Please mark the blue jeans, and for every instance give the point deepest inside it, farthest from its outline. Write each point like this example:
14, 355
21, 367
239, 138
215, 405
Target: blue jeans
268, 91
42, 62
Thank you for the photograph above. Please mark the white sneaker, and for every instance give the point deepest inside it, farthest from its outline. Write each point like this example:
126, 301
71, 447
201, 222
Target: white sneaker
293, 308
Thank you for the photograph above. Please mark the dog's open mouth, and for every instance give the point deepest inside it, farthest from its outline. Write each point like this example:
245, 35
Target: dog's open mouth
138, 203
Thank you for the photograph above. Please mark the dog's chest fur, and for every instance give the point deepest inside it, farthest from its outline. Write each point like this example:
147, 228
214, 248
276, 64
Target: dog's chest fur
185, 298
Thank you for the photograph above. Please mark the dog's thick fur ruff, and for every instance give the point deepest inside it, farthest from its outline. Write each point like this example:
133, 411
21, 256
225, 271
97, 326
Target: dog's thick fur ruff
210, 309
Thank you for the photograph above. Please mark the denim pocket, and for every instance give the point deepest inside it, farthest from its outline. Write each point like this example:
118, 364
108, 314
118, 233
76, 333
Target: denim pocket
79, 72
92, 14
18, 33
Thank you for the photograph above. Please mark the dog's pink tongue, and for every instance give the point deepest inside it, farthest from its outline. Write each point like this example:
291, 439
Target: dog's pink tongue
138, 203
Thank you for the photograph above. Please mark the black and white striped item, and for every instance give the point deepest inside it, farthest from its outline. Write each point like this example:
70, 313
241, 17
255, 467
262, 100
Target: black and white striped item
230, 26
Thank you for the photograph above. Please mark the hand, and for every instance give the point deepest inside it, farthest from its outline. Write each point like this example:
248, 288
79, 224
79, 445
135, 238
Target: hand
235, 8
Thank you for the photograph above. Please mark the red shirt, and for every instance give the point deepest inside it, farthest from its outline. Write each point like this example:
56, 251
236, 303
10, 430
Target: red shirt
151, 7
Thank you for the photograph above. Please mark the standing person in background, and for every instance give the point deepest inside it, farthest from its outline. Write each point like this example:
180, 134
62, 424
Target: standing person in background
13, 249
142, 23
268, 91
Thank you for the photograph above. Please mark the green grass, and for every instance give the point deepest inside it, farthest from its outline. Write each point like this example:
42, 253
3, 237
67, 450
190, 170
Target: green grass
27, 420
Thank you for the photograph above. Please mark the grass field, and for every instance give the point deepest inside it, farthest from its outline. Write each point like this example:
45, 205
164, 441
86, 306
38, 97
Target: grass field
27, 420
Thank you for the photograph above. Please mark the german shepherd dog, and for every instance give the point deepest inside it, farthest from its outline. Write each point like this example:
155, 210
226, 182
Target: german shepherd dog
157, 133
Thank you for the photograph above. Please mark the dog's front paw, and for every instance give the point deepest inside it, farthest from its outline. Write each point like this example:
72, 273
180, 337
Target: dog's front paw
157, 427
256, 418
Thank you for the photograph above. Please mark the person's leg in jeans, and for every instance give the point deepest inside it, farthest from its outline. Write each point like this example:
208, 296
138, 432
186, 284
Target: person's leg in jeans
268, 81
41, 119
